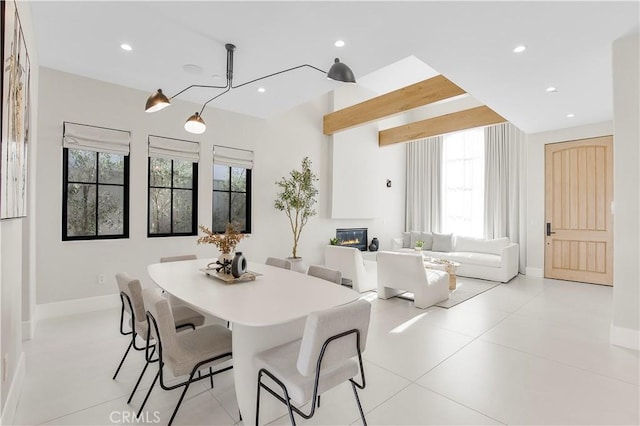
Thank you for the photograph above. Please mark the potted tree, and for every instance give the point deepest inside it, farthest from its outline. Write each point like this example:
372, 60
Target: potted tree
297, 199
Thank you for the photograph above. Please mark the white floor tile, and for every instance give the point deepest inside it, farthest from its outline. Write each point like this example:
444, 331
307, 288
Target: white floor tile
518, 388
566, 342
416, 405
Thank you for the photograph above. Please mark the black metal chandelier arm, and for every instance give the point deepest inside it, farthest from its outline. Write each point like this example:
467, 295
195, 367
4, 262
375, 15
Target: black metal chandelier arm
201, 86
214, 98
276, 73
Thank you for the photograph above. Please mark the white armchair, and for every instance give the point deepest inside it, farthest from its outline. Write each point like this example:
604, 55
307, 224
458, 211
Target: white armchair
402, 272
349, 261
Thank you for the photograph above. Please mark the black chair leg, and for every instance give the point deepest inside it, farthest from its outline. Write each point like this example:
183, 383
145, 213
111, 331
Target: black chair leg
122, 361
148, 393
184, 392
211, 376
318, 401
355, 392
144, 369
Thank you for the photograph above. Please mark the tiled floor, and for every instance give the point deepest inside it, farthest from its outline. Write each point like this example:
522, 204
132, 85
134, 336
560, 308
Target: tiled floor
532, 351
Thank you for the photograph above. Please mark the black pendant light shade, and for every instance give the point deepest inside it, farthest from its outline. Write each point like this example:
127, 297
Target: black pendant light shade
195, 124
156, 102
341, 72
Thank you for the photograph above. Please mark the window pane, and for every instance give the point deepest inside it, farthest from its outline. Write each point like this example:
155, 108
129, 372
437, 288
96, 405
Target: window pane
220, 177
239, 209
81, 210
159, 211
220, 211
110, 210
182, 174
238, 179
82, 166
160, 172
182, 210
111, 168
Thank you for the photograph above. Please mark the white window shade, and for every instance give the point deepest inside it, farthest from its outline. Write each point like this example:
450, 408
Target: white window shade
232, 157
174, 149
92, 138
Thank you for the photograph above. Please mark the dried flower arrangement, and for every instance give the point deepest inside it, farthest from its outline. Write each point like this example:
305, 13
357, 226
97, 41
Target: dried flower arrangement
226, 242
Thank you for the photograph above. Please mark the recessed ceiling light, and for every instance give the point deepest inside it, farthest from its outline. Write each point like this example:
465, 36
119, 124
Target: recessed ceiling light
571, 115
551, 89
520, 49
261, 89
127, 47
339, 43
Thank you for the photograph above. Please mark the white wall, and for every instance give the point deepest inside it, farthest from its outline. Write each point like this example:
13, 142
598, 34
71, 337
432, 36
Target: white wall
68, 270
626, 160
535, 185
16, 254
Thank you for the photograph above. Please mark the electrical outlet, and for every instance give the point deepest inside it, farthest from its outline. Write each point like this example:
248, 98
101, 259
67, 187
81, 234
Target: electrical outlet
5, 367
101, 279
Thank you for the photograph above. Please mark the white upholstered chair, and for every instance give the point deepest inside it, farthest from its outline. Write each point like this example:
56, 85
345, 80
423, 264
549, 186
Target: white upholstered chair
402, 272
349, 261
325, 273
279, 263
133, 304
329, 353
183, 354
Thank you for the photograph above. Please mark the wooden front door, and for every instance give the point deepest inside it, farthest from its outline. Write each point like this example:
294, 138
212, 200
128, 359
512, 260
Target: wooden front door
578, 200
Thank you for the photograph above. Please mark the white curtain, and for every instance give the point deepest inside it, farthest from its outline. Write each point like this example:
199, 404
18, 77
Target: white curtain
505, 185
424, 159
233, 157
173, 149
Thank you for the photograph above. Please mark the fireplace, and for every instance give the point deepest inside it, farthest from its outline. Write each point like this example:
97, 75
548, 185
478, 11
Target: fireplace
352, 237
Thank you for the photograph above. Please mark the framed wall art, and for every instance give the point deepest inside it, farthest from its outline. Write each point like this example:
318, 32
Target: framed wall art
16, 114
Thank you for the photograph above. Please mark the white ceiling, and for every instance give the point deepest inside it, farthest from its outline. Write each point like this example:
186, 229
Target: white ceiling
569, 47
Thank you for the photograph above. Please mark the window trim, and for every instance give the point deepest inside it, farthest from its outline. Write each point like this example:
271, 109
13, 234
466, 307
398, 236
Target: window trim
65, 199
248, 193
194, 201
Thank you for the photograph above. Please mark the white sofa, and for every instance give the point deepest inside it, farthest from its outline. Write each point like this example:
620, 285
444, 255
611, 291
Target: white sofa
495, 260
402, 272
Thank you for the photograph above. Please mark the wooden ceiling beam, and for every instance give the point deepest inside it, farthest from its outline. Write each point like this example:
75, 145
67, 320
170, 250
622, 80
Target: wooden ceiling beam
423, 93
461, 120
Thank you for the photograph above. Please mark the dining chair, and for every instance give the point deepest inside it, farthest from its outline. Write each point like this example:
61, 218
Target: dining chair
182, 353
280, 263
133, 304
329, 353
325, 273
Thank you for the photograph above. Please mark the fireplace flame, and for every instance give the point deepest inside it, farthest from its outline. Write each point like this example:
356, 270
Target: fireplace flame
345, 242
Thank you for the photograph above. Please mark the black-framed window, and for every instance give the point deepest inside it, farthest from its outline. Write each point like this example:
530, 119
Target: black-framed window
231, 197
173, 197
95, 201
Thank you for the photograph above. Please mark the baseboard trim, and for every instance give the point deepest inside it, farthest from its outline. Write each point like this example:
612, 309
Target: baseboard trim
534, 272
13, 396
625, 337
28, 330
76, 306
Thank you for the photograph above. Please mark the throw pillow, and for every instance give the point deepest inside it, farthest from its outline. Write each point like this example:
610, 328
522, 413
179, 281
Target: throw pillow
442, 242
406, 239
427, 237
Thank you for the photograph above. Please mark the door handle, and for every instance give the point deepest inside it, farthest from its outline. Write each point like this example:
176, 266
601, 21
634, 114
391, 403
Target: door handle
549, 232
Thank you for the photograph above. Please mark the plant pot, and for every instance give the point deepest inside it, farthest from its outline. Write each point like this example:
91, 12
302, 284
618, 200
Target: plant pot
297, 264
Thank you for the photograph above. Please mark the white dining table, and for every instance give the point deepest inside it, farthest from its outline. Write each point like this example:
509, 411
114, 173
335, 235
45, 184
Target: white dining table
264, 313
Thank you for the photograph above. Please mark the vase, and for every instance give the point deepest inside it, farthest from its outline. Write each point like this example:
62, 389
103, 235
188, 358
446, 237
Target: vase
297, 264
238, 265
375, 244
225, 259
